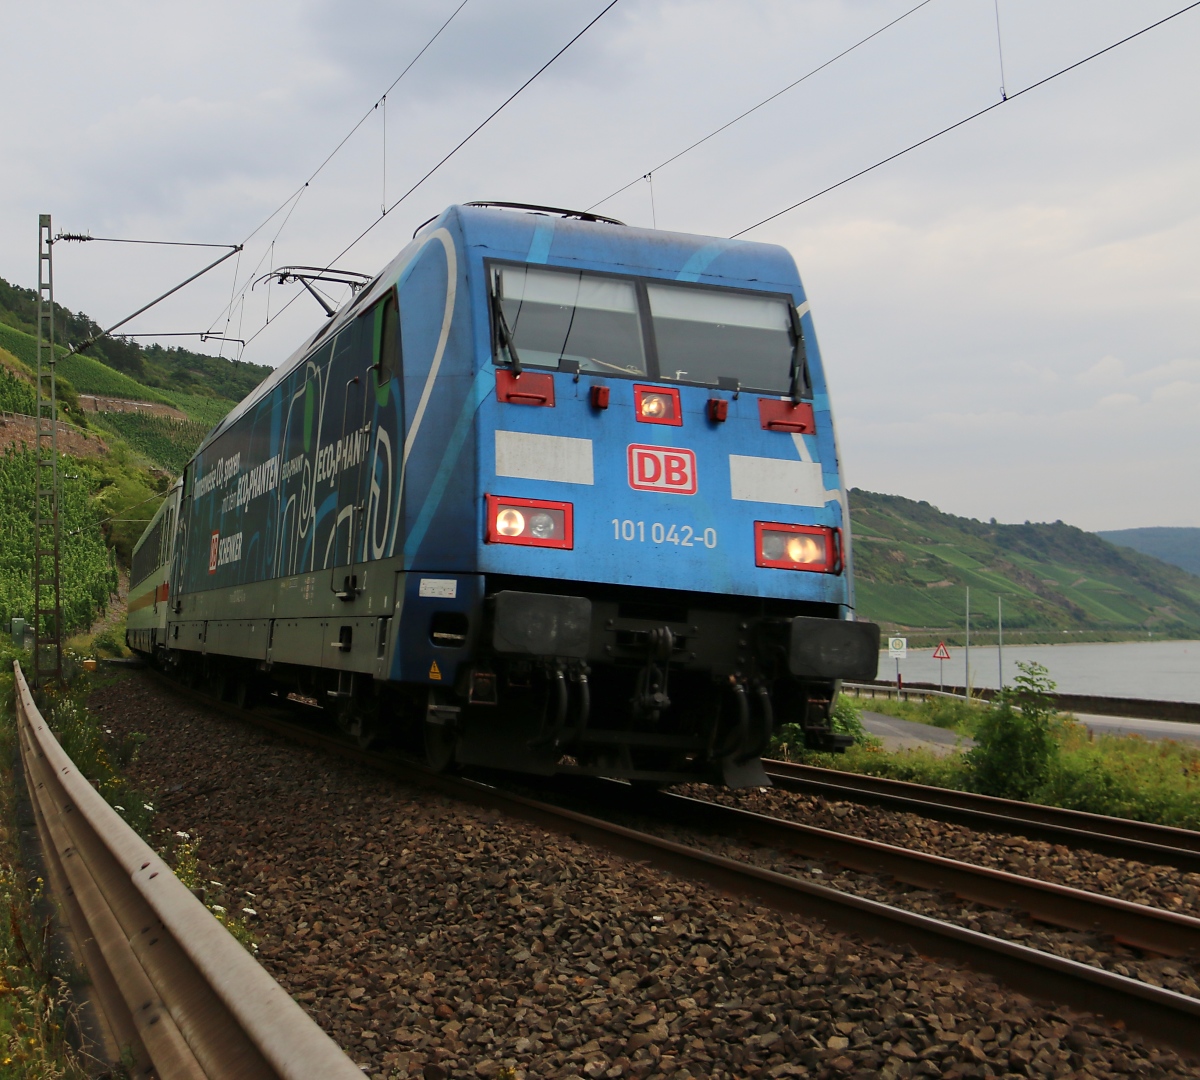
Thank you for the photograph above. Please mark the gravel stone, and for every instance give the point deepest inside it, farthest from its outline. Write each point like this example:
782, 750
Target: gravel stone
434, 939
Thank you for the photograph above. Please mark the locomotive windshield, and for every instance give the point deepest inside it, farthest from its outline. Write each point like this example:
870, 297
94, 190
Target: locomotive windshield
558, 316
690, 334
704, 334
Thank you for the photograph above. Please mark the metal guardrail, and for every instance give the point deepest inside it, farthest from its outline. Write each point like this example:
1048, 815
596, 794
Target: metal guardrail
891, 693
177, 991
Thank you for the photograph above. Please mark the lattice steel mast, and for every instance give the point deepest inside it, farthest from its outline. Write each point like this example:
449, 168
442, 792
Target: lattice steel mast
47, 599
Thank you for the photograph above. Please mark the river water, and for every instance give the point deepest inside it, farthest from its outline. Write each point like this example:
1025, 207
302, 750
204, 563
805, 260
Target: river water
1159, 670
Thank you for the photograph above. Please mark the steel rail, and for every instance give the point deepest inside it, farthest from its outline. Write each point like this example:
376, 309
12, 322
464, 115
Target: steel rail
1162, 1014
177, 991
1156, 930
1158, 845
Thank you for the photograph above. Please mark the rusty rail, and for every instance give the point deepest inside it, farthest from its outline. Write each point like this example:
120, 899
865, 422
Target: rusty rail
176, 990
1123, 838
1167, 933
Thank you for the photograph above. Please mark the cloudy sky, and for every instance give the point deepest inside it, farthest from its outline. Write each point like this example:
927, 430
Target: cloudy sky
1008, 315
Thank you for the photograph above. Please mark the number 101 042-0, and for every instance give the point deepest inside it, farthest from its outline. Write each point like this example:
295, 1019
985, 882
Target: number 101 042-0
659, 533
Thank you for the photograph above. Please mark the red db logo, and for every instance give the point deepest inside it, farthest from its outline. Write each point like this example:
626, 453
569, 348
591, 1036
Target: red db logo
214, 543
662, 468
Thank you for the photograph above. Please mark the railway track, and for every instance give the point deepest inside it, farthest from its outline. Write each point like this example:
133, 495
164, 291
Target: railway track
1162, 1014
1159, 845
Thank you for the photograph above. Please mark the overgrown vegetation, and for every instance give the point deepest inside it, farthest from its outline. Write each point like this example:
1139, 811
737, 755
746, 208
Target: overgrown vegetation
37, 1021
102, 756
846, 719
1026, 750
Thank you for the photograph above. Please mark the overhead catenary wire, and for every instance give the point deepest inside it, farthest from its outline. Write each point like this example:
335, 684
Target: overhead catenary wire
967, 119
479, 127
365, 117
463, 142
1000, 52
84, 238
295, 197
146, 307
766, 101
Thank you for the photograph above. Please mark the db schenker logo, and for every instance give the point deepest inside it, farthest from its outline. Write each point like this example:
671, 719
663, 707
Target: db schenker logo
662, 468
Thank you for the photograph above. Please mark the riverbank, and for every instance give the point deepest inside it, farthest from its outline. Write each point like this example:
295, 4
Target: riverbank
1165, 671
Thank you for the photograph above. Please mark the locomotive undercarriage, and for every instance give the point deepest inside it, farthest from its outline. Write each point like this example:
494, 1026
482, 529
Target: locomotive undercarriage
678, 687
656, 687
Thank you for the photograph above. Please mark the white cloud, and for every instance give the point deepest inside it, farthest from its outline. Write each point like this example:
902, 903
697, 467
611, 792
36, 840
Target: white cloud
1007, 315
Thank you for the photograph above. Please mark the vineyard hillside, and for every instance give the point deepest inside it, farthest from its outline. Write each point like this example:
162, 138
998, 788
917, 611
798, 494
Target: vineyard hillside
913, 565
88, 568
116, 466
167, 442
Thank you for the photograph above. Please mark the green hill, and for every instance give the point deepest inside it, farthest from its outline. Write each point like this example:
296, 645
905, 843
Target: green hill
1179, 546
152, 366
203, 387
913, 564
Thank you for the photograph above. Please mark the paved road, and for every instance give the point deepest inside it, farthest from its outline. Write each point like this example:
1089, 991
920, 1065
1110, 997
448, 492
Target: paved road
899, 734
1147, 729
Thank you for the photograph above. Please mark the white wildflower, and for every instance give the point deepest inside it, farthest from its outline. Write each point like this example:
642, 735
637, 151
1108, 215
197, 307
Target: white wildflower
217, 908
183, 835
148, 806
249, 911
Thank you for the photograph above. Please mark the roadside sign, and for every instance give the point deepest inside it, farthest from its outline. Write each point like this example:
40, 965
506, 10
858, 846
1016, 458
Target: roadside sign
898, 648
941, 652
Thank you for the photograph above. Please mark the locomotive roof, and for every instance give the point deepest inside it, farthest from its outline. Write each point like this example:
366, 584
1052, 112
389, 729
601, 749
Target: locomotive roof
531, 236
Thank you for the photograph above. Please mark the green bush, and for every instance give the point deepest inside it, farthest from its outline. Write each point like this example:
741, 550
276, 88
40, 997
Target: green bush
109, 642
846, 719
1016, 741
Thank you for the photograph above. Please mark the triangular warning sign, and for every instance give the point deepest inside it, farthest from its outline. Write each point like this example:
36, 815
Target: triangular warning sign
435, 672
941, 652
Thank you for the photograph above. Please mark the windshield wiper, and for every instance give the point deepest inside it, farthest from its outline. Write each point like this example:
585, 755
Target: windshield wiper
801, 383
503, 331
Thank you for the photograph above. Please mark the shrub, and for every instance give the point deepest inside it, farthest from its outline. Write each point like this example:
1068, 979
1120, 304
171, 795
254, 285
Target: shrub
845, 719
109, 642
1017, 744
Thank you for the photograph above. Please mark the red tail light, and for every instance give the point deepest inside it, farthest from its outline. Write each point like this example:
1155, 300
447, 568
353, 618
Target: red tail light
797, 547
533, 522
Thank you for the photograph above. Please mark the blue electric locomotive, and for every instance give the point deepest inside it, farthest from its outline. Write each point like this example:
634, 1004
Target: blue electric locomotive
552, 494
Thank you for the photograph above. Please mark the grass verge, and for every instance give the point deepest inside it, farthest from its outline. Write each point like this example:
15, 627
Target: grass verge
37, 1013
1044, 758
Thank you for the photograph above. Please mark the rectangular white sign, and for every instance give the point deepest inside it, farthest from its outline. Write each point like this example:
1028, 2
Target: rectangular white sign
527, 456
442, 588
776, 480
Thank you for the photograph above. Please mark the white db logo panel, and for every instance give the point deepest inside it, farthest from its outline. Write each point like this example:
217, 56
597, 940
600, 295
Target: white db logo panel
662, 468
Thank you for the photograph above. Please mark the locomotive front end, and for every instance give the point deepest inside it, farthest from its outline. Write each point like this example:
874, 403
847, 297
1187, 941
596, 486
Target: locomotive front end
663, 531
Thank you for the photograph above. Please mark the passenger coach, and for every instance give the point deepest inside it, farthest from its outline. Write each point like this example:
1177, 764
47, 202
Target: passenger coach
551, 494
